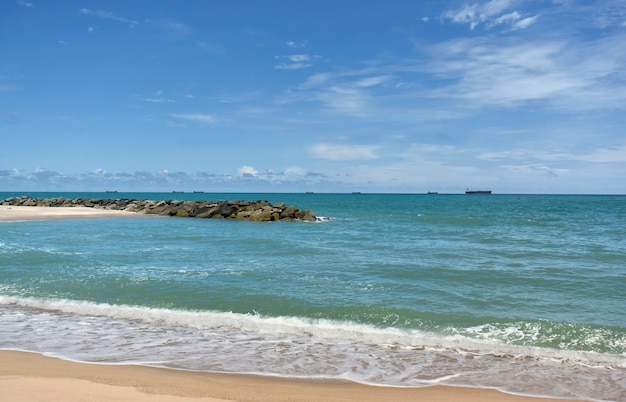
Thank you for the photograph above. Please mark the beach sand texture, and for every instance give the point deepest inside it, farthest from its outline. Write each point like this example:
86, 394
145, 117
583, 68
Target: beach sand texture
33, 377
19, 213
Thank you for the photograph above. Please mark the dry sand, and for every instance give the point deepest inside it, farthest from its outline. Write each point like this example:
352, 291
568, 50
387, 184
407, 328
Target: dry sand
19, 213
33, 377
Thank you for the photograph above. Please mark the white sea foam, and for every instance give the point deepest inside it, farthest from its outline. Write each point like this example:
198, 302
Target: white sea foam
289, 346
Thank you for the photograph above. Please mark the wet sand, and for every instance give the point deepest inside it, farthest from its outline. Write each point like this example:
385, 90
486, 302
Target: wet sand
33, 377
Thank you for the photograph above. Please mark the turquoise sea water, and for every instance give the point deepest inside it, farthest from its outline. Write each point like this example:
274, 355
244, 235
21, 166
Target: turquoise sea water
524, 293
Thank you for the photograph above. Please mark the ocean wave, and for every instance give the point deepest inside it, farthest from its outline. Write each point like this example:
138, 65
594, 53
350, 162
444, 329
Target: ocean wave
300, 347
490, 339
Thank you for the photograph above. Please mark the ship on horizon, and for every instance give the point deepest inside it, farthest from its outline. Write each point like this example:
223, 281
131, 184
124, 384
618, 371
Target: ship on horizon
470, 191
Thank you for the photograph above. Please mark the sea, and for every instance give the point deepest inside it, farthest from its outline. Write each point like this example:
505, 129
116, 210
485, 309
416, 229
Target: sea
520, 293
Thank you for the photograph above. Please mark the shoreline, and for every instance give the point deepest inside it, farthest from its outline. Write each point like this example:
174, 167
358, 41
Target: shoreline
21, 213
26, 376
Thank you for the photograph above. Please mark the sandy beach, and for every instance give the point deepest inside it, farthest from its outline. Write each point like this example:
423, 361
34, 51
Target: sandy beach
19, 213
33, 377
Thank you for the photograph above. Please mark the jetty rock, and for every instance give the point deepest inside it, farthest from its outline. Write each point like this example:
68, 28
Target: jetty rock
243, 210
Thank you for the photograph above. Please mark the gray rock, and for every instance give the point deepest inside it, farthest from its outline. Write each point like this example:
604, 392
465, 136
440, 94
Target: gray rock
243, 210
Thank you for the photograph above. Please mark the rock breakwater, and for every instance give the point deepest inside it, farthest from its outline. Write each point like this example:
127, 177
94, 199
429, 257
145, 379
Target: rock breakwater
244, 210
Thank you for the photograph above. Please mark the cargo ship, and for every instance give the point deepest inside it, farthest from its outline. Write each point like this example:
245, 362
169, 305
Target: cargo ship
470, 191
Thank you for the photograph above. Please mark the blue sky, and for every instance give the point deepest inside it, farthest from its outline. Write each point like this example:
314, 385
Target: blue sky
327, 96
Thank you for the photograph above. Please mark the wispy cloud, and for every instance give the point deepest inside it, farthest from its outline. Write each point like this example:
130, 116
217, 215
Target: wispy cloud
296, 61
491, 14
158, 100
169, 29
496, 73
525, 23
157, 97
594, 154
476, 73
343, 152
195, 117
296, 44
606, 155
108, 16
348, 92
25, 3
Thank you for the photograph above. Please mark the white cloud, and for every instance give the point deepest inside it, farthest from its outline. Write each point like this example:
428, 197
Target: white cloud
298, 57
296, 44
343, 152
507, 18
295, 171
490, 72
26, 4
345, 99
372, 81
292, 66
197, 117
532, 170
348, 93
108, 16
491, 13
469, 74
296, 61
247, 171
316, 80
525, 23
157, 98
615, 154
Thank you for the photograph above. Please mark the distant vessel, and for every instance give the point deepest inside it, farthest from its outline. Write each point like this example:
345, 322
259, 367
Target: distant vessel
356, 192
433, 192
111, 191
198, 191
178, 191
470, 191
308, 192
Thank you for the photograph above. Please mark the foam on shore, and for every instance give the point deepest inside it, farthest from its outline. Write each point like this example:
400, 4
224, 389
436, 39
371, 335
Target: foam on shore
27, 376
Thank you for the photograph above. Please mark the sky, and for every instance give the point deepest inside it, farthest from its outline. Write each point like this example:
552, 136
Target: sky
515, 96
